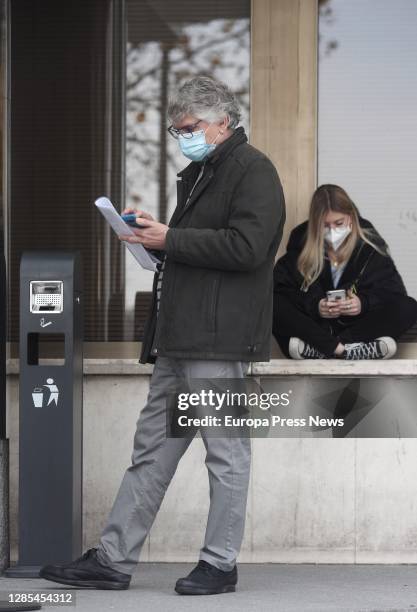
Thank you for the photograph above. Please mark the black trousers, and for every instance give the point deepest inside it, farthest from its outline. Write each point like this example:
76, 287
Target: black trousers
392, 319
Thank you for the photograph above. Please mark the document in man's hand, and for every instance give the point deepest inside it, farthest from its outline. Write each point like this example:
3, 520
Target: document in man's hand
144, 257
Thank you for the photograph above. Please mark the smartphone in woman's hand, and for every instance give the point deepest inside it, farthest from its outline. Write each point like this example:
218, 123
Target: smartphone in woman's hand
336, 294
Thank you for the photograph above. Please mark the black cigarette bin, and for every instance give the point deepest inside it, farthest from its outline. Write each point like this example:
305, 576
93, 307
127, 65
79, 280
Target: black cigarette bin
50, 423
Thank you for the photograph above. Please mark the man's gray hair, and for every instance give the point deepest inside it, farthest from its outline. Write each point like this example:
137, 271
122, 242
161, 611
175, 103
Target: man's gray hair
205, 98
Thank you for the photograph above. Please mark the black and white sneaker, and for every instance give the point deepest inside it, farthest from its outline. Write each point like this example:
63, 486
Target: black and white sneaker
86, 571
205, 579
381, 348
298, 349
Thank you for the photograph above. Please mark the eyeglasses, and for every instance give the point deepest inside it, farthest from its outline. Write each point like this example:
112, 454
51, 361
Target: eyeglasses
186, 131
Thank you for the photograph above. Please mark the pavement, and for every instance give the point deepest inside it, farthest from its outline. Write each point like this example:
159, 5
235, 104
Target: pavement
261, 588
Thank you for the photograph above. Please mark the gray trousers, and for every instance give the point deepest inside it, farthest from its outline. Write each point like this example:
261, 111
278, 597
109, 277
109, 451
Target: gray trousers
154, 460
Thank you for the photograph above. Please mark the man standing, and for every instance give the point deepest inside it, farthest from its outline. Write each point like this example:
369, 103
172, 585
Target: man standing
211, 315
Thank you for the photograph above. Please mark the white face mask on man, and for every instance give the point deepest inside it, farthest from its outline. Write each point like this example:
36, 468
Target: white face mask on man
335, 236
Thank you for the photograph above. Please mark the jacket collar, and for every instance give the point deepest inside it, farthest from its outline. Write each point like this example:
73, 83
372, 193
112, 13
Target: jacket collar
219, 154
226, 147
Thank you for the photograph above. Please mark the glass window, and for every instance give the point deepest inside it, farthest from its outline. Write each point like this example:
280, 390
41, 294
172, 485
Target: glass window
367, 115
66, 142
102, 72
168, 43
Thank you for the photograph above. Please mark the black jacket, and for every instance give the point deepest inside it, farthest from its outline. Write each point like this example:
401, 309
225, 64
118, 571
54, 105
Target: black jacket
216, 300
375, 275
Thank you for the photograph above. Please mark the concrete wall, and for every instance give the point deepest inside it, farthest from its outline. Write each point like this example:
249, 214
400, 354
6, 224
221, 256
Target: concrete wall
311, 500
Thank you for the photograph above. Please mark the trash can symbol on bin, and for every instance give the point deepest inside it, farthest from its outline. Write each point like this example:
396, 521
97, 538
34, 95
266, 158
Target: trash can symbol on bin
37, 396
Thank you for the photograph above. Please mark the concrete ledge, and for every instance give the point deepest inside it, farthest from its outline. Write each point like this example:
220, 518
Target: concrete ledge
97, 366
284, 367
117, 366
335, 367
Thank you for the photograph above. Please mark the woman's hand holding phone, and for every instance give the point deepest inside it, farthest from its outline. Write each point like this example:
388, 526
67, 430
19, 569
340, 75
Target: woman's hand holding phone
332, 309
329, 309
351, 306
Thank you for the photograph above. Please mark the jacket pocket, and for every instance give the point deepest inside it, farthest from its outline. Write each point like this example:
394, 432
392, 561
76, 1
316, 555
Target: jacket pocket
213, 297
260, 311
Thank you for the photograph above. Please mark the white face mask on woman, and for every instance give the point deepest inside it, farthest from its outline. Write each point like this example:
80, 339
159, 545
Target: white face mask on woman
335, 236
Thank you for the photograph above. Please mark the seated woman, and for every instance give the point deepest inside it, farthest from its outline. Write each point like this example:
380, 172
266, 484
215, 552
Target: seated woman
338, 249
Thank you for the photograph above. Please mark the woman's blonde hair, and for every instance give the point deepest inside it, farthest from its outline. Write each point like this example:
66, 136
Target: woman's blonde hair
328, 198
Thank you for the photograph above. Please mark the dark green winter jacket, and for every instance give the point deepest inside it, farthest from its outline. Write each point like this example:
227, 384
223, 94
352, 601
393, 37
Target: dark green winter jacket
217, 286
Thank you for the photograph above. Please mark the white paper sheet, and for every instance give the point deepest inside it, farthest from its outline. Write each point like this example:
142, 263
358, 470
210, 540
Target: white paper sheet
142, 256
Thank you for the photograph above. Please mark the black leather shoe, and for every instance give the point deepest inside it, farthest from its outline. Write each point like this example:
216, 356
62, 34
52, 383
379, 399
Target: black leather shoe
205, 579
86, 572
